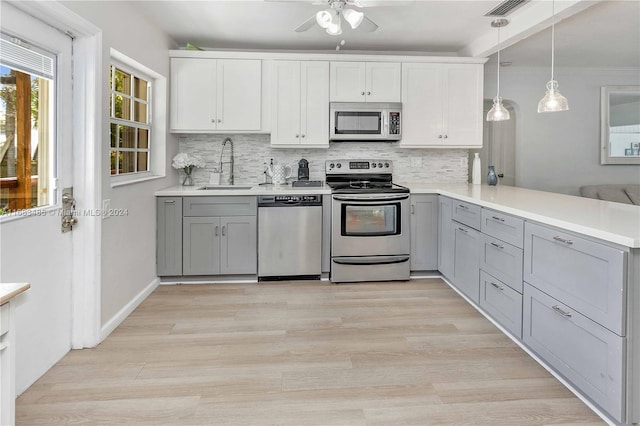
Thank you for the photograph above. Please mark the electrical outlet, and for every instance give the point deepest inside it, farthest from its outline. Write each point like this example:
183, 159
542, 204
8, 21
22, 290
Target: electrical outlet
416, 162
106, 209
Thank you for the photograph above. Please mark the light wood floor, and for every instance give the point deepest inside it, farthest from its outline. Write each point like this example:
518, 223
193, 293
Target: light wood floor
303, 353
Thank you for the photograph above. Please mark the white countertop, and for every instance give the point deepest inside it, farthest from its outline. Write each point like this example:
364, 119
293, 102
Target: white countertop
10, 290
614, 222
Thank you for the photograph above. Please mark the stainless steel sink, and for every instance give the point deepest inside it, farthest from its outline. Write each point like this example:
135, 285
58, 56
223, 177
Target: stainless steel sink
224, 187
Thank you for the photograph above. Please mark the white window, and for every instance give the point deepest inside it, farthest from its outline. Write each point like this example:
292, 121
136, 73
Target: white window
137, 140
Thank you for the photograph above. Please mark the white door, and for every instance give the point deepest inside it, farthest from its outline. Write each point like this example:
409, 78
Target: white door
239, 94
314, 102
193, 94
383, 81
348, 82
285, 103
421, 104
32, 247
463, 103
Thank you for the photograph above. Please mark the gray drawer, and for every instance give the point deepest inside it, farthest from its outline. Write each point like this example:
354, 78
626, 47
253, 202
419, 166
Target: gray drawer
502, 302
507, 228
220, 206
503, 261
4, 318
584, 352
585, 275
466, 213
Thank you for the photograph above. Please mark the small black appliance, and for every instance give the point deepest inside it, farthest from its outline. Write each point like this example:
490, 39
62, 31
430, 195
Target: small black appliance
303, 170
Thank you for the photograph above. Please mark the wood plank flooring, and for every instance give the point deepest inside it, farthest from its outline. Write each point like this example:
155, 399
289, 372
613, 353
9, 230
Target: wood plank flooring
303, 353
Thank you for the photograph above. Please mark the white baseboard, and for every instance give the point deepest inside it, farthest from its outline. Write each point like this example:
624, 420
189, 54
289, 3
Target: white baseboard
123, 313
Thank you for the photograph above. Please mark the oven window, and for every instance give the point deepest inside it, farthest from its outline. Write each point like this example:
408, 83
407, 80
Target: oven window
358, 123
370, 221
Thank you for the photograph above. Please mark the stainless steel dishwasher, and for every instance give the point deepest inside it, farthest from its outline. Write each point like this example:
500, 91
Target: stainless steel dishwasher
289, 237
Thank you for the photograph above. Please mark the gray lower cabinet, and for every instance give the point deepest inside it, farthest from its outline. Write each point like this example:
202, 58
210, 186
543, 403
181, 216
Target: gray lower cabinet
583, 351
468, 214
466, 260
169, 236
586, 275
424, 232
502, 302
445, 237
219, 236
502, 226
502, 260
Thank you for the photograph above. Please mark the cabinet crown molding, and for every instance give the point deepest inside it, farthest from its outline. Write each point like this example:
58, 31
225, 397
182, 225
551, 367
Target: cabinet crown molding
302, 56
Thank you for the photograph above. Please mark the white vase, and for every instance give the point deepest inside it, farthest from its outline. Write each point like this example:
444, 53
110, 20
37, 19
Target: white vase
476, 177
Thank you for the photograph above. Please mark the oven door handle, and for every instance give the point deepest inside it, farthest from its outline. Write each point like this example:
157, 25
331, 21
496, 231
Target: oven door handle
373, 198
375, 260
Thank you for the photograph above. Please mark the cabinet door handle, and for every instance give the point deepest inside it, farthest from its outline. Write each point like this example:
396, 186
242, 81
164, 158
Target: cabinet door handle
413, 209
445, 136
169, 201
297, 136
561, 312
217, 228
219, 120
368, 93
362, 93
499, 287
562, 240
463, 230
213, 120
303, 135
497, 246
462, 206
499, 219
439, 136
224, 230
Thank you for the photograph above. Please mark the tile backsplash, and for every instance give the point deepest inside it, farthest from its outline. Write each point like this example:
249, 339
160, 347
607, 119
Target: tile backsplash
251, 151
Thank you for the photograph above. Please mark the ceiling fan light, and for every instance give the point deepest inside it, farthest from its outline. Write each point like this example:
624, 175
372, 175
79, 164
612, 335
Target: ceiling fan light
353, 17
324, 18
553, 100
498, 112
335, 29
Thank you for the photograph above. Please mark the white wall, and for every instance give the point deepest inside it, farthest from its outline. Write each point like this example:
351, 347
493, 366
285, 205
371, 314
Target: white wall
128, 242
559, 152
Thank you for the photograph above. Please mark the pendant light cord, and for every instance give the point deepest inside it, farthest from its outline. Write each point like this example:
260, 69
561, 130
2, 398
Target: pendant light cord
553, 35
498, 94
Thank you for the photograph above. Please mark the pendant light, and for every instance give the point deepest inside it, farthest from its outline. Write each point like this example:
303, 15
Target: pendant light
553, 100
498, 112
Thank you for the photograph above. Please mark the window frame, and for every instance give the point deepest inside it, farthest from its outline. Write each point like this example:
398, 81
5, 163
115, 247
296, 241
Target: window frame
156, 101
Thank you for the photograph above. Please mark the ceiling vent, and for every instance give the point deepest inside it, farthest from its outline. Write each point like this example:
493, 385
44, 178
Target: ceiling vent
506, 7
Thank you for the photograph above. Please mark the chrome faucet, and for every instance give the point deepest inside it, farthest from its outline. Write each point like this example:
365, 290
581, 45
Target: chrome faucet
230, 162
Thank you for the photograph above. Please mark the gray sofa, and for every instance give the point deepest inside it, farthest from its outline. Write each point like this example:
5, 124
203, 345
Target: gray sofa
628, 194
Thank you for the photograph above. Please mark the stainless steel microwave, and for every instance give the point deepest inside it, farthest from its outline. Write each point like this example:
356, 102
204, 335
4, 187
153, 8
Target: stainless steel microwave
365, 121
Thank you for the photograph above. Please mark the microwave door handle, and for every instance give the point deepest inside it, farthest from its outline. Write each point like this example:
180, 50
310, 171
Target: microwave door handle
385, 116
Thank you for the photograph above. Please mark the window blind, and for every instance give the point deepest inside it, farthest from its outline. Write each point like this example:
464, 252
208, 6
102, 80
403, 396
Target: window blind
16, 54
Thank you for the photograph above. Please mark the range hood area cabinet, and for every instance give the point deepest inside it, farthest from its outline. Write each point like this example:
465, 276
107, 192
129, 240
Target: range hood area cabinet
442, 105
365, 81
209, 95
300, 104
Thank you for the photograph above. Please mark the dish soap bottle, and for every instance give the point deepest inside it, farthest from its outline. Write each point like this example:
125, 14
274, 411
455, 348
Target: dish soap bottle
475, 170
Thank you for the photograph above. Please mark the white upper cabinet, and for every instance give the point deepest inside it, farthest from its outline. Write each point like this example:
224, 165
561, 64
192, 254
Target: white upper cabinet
209, 95
365, 81
300, 104
442, 105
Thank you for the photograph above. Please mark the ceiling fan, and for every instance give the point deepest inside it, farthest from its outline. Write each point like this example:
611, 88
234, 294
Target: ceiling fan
331, 18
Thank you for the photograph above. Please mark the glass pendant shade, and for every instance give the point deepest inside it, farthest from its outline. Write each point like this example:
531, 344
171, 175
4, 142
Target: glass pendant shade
553, 100
335, 28
353, 17
498, 112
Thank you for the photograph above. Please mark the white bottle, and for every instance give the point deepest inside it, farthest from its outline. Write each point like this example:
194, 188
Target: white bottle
476, 178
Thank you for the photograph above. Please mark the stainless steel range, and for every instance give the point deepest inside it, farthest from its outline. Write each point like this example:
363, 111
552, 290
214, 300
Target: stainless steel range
370, 222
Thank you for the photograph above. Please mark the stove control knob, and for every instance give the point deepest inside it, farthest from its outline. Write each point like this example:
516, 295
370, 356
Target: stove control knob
380, 165
386, 165
339, 165
331, 166
374, 165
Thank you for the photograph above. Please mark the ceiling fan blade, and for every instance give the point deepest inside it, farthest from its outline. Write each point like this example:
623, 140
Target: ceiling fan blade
368, 25
312, 2
306, 24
